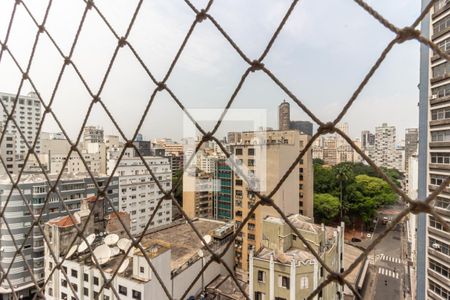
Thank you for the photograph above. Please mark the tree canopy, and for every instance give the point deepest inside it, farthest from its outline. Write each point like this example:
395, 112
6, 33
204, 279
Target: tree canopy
363, 192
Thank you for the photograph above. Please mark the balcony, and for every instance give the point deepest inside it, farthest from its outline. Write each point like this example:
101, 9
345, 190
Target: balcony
439, 145
441, 77
439, 166
440, 122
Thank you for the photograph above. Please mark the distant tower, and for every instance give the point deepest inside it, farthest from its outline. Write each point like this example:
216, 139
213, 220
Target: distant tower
284, 118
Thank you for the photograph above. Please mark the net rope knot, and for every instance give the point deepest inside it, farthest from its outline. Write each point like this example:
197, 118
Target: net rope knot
337, 278
161, 86
201, 16
207, 137
419, 207
266, 201
256, 66
122, 42
67, 61
326, 128
41, 28
407, 33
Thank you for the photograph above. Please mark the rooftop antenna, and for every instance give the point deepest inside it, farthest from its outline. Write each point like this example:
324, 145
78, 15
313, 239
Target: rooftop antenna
83, 246
71, 251
124, 244
111, 239
124, 265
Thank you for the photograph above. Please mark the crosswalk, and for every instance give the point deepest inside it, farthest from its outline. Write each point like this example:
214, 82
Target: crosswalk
389, 273
391, 259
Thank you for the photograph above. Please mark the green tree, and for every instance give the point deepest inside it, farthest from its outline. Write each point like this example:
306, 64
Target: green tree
326, 208
324, 181
178, 193
344, 175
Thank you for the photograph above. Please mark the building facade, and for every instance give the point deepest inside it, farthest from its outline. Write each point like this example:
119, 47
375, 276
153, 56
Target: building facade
385, 153
223, 198
283, 268
72, 187
27, 115
411, 142
93, 134
138, 192
265, 157
284, 117
433, 254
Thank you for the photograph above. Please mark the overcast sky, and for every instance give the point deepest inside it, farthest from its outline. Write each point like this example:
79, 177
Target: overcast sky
322, 55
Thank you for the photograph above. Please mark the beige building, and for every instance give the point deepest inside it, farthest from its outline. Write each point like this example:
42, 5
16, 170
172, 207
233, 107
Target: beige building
283, 268
198, 195
265, 157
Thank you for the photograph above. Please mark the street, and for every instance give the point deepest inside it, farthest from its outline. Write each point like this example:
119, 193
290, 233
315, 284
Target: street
388, 263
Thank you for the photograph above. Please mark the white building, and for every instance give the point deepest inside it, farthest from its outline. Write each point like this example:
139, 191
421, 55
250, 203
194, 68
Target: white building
92, 134
138, 192
385, 153
27, 115
176, 253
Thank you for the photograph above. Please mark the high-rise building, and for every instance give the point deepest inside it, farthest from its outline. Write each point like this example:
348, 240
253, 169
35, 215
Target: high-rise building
411, 141
302, 126
27, 115
433, 260
281, 149
367, 139
35, 188
385, 153
223, 199
138, 192
284, 118
199, 189
92, 134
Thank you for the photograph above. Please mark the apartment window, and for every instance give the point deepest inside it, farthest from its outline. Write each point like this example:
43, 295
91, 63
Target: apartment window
141, 269
260, 296
304, 282
440, 114
86, 291
251, 151
441, 91
436, 179
436, 224
440, 157
74, 273
283, 281
251, 236
251, 162
261, 276
251, 227
238, 151
442, 203
122, 290
440, 4
439, 246
75, 287
439, 268
239, 213
238, 182
85, 277
95, 280
136, 295
63, 283
438, 289
63, 296
279, 298
65, 269
441, 25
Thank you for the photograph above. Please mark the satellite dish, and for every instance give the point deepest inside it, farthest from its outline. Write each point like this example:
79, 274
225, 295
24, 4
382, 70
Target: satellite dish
124, 244
207, 239
83, 246
71, 251
111, 239
124, 265
115, 251
102, 253
200, 253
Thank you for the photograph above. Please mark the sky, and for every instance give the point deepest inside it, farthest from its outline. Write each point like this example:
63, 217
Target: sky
321, 55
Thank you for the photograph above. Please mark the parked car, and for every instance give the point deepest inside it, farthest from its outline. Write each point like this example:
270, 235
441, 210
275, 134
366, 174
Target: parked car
385, 220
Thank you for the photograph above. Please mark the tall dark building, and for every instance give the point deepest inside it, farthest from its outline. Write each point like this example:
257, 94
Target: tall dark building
144, 147
284, 117
302, 126
411, 142
223, 204
367, 139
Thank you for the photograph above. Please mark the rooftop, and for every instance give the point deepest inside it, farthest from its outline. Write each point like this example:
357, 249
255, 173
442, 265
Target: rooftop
183, 240
301, 256
35, 178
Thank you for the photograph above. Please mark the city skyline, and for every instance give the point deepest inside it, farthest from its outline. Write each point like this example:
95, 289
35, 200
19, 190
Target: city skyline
213, 69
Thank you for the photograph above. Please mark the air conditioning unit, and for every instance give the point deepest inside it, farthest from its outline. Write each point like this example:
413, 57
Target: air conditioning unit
434, 96
436, 246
